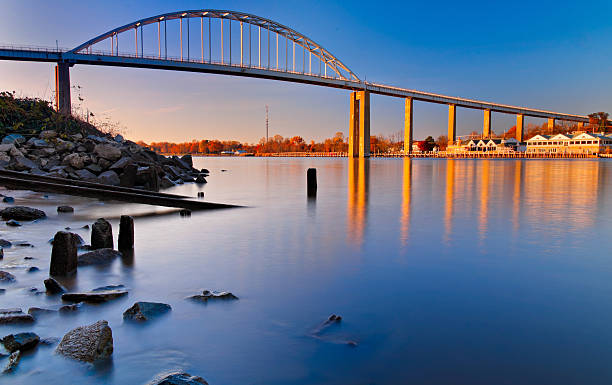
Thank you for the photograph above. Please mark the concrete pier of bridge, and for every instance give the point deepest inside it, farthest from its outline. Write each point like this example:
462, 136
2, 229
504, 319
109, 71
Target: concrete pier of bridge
452, 124
486, 124
359, 124
62, 88
408, 125
520, 122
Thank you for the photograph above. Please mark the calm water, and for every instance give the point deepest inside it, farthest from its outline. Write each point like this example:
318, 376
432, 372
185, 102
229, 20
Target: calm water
445, 272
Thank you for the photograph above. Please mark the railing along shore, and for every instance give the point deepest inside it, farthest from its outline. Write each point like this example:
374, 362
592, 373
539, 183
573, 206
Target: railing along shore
439, 154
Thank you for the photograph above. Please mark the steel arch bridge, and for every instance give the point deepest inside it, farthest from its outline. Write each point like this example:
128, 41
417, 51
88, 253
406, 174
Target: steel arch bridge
240, 44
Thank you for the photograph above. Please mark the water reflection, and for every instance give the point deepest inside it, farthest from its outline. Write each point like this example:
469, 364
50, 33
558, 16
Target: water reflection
521, 192
406, 198
357, 202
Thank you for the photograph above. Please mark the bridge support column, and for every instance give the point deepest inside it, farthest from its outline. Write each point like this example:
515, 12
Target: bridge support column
62, 88
580, 126
486, 124
364, 123
520, 122
551, 125
452, 124
359, 125
353, 148
408, 126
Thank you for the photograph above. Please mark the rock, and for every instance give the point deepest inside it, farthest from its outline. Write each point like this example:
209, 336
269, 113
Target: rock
20, 341
8, 200
180, 163
5, 276
21, 163
88, 343
12, 362
5, 244
32, 269
167, 182
126, 233
75, 160
47, 134
109, 178
147, 176
201, 179
178, 378
102, 235
86, 175
142, 311
107, 151
65, 209
205, 171
1, 254
78, 241
215, 295
49, 341
37, 143
13, 138
13, 223
53, 287
188, 160
7, 147
22, 213
121, 163
119, 138
70, 308
14, 316
98, 257
63, 254
63, 145
24, 244
95, 296
94, 168
129, 175
37, 311
104, 163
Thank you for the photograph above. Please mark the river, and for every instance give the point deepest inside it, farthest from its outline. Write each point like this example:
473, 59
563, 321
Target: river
444, 272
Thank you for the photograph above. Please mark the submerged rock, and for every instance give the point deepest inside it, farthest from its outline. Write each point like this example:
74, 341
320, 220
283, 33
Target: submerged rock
13, 223
14, 316
88, 343
70, 308
65, 209
143, 311
22, 213
32, 269
213, 295
20, 341
8, 200
98, 257
5, 276
38, 311
98, 295
12, 362
178, 378
5, 244
201, 179
53, 287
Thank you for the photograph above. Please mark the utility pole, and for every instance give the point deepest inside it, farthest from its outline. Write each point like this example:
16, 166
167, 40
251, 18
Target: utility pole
267, 121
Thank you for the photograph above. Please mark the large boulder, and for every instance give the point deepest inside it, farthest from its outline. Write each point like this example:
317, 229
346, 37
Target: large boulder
20, 341
109, 178
102, 235
98, 257
86, 175
75, 160
88, 343
143, 311
22, 213
21, 163
148, 177
121, 163
63, 254
107, 151
177, 378
188, 160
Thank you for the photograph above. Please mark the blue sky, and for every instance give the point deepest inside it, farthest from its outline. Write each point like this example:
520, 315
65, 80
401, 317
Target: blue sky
552, 55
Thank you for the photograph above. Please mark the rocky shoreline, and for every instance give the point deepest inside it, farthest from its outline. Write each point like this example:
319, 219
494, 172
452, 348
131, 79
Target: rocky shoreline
98, 158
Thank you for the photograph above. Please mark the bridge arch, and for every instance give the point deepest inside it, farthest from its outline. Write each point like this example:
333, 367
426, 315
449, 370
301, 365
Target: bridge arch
327, 59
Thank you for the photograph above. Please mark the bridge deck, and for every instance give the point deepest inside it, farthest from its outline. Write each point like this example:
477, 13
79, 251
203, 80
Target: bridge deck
46, 55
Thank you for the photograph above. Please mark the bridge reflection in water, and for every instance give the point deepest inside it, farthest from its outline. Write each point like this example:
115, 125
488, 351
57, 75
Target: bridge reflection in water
357, 202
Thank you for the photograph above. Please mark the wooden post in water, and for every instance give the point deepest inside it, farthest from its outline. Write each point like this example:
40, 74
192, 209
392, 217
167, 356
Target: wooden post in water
311, 180
126, 233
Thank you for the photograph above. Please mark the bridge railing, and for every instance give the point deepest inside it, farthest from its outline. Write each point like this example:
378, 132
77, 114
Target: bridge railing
34, 48
178, 59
